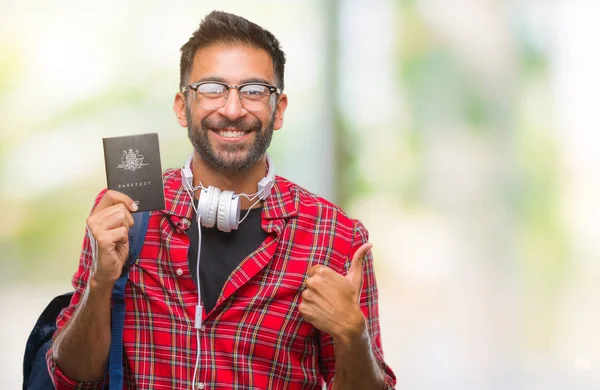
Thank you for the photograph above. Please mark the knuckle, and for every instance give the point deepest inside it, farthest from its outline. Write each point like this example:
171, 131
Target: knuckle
321, 270
126, 214
307, 295
302, 308
116, 209
309, 282
101, 238
95, 235
303, 295
109, 195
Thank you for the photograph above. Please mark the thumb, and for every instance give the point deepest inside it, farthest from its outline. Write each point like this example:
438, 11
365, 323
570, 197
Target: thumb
355, 273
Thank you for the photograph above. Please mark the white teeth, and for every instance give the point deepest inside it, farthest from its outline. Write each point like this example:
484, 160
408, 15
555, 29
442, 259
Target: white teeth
231, 134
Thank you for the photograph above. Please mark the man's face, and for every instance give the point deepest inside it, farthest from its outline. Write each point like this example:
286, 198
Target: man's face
231, 138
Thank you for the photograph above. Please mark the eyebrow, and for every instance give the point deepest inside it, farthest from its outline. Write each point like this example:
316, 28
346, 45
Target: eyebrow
222, 80
255, 80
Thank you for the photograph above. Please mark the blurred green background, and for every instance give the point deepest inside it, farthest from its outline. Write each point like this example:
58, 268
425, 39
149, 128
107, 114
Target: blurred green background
462, 133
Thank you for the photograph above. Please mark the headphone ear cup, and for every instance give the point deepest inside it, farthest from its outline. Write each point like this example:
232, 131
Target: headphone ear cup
207, 206
234, 213
187, 175
224, 211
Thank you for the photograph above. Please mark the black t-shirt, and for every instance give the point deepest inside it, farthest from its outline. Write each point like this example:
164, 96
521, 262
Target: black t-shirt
221, 253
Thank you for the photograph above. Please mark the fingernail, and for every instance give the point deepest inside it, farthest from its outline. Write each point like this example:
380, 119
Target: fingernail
134, 206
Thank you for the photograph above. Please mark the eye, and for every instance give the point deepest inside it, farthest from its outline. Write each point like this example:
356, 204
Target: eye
254, 91
212, 89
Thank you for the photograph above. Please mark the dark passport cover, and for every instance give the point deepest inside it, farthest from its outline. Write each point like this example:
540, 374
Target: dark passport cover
133, 168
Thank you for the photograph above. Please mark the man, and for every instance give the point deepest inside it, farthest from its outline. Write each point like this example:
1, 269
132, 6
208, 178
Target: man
289, 298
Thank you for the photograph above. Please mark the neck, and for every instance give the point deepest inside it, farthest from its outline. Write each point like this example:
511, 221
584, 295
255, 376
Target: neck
239, 182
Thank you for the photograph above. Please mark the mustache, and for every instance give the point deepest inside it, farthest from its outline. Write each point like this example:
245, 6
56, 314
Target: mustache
226, 124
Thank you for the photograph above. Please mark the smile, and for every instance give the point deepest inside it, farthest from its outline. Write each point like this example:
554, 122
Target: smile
231, 133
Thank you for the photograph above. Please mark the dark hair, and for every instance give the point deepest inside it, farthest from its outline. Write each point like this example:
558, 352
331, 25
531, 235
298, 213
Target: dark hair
223, 27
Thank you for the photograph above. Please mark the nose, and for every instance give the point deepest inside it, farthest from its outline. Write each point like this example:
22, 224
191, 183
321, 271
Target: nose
233, 108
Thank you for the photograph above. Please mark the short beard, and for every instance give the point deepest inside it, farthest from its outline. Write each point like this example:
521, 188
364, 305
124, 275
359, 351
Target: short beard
230, 159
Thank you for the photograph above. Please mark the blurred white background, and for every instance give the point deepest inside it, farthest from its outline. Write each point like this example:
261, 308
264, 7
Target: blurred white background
463, 133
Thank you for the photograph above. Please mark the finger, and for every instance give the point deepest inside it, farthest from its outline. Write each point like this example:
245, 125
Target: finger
355, 273
119, 209
305, 295
110, 218
312, 271
116, 219
113, 236
112, 197
303, 309
306, 310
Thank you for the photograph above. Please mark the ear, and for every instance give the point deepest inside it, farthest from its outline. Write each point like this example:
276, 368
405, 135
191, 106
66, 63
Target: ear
279, 111
179, 108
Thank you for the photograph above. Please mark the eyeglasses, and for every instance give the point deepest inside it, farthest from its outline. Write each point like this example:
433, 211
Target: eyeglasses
212, 95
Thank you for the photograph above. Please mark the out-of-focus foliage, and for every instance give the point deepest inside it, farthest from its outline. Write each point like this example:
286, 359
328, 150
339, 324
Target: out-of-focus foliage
462, 134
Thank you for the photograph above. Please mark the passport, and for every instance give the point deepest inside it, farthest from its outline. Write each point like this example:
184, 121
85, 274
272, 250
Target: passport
133, 168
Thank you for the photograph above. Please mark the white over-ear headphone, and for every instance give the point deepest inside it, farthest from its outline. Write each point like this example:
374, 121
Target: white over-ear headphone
223, 207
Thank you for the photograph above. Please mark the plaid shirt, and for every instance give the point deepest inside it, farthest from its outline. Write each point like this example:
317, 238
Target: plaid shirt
255, 337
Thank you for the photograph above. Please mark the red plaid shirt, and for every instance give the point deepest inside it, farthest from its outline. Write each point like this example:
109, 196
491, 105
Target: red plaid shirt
255, 337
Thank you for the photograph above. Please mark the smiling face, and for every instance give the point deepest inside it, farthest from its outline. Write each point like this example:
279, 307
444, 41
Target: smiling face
231, 138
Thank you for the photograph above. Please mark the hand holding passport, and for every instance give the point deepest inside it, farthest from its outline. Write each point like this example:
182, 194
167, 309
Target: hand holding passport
133, 168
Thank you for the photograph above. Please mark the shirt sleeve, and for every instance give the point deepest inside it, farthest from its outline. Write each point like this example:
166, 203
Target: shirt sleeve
369, 306
79, 282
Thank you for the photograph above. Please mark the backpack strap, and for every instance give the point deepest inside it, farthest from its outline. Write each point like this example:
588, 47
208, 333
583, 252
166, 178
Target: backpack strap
137, 234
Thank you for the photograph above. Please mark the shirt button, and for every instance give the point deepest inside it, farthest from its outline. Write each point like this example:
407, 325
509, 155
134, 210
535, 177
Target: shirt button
203, 328
179, 271
200, 386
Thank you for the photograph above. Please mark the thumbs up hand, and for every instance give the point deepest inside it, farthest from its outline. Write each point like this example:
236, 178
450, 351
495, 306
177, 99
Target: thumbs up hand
330, 301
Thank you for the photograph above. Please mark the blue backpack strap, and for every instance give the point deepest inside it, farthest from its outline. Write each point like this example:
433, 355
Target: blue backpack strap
137, 234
